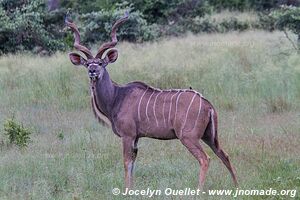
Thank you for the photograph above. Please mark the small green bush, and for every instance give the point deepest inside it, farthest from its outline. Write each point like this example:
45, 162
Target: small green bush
60, 135
17, 134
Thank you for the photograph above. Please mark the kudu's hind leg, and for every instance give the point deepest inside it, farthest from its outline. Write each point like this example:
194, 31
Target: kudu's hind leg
193, 145
225, 159
211, 139
129, 155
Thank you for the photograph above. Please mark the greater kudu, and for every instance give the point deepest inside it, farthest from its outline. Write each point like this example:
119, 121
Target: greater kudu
138, 110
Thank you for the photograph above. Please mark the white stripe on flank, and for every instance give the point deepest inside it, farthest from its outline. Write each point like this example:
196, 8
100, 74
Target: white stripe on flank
177, 99
154, 107
187, 112
171, 105
139, 114
199, 111
213, 123
148, 105
163, 108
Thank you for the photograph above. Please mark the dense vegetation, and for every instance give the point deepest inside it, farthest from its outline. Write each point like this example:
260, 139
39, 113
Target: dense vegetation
37, 25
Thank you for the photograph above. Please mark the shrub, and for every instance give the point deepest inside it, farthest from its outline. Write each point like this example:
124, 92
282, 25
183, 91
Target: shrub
97, 26
266, 21
163, 12
17, 134
243, 5
218, 22
26, 25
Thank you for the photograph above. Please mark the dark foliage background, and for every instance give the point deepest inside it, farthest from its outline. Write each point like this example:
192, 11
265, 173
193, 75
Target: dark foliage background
37, 25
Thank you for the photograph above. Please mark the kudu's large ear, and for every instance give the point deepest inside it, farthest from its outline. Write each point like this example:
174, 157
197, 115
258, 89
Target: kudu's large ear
111, 56
77, 59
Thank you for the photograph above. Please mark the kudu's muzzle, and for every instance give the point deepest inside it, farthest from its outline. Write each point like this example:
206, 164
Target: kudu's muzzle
93, 71
93, 74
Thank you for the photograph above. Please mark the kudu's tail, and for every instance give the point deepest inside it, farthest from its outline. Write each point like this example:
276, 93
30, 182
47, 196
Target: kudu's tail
210, 136
214, 128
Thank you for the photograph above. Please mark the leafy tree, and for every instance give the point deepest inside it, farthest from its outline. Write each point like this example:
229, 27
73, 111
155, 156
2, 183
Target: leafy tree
25, 25
97, 26
88, 6
164, 11
288, 18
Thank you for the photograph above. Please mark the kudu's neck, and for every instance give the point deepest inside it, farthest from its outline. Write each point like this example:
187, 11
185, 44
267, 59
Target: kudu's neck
104, 90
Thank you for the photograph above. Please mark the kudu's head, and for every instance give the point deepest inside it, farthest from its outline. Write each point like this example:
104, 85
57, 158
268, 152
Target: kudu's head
95, 65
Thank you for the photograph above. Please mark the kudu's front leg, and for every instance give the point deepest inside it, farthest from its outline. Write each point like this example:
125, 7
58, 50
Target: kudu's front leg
129, 155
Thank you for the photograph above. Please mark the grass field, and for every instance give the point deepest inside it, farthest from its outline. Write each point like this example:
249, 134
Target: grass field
252, 78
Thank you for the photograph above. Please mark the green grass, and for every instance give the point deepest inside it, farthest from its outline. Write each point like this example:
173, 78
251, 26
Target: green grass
252, 78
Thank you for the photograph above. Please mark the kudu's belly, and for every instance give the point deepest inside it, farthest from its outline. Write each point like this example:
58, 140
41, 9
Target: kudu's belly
162, 133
